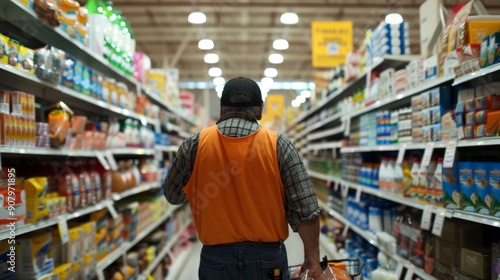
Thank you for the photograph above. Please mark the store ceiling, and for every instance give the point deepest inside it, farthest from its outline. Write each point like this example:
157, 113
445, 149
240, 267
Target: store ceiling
243, 31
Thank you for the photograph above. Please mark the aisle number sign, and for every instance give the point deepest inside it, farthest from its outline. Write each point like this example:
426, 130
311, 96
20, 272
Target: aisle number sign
331, 41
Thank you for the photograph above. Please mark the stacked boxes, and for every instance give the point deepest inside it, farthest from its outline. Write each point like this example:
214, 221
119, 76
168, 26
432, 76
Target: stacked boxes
415, 72
386, 84
17, 118
404, 125
34, 255
427, 111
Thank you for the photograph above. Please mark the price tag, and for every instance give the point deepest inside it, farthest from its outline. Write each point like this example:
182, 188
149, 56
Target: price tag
345, 231
347, 126
102, 160
399, 270
401, 154
429, 149
111, 160
425, 223
409, 273
437, 228
358, 195
62, 225
112, 210
449, 154
100, 274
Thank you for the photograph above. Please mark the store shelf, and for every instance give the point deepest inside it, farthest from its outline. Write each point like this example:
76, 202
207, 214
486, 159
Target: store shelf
371, 238
477, 218
477, 74
179, 263
162, 148
163, 103
330, 247
133, 151
324, 177
50, 222
124, 247
165, 250
318, 125
392, 61
406, 94
326, 133
493, 141
138, 189
324, 146
15, 12
394, 147
46, 152
21, 80
178, 129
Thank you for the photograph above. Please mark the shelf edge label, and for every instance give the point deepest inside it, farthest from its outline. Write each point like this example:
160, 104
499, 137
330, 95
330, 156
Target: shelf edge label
449, 154
425, 223
437, 228
429, 149
401, 154
62, 225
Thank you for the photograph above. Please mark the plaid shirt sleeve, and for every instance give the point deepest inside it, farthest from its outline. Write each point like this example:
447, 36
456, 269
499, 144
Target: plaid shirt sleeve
180, 171
301, 200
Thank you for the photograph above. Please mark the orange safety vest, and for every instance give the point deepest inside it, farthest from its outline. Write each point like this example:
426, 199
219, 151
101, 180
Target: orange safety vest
235, 190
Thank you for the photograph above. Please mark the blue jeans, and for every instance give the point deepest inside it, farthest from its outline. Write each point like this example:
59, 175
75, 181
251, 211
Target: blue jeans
243, 261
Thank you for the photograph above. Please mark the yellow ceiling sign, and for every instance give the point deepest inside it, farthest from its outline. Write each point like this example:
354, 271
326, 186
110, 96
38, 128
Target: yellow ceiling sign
331, 41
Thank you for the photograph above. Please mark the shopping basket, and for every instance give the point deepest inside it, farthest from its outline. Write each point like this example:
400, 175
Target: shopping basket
353, 267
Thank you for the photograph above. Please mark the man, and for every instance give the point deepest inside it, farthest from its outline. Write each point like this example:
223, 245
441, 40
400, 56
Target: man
244, 183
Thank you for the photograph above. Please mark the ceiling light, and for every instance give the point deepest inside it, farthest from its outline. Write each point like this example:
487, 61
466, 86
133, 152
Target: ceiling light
300, 98
271, 72
275, 58
205, 44
306, 93
295, 103
219, 88
211, 58
219, 81
197, 18
289, 18
214, 72
393, 18
267, 82
219, 94
280, 44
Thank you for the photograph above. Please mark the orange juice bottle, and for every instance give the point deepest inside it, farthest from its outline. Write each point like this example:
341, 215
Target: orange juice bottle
69, 16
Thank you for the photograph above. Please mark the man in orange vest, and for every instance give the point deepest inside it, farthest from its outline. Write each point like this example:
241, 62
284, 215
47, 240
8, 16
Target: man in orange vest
245, 184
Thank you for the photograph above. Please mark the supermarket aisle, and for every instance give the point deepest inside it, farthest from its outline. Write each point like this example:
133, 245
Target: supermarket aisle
293, 245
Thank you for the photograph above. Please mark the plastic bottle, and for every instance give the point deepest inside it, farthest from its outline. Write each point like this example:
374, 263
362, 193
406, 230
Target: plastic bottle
69, 188
85, 185
382, 175
431, 169
407, 180
106, 181
69, 16
390, 174
95, 179
382, 272
398, 178
128, 132
97, 25
375, 217
375, 176
82, 26
415, 179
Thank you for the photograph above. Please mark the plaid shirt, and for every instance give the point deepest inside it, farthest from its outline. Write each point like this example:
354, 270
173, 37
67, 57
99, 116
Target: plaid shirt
301, 201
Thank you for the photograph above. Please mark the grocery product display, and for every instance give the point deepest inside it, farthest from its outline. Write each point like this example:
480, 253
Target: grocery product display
411, 171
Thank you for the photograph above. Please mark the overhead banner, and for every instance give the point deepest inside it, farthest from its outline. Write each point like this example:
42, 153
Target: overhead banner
331, 41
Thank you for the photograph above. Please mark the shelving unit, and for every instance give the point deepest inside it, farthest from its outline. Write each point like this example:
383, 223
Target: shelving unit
171, 148
133, 151
477, 74
139, 189
178, 263
124, 247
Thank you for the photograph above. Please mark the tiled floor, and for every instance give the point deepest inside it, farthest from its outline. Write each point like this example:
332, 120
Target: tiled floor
293, 245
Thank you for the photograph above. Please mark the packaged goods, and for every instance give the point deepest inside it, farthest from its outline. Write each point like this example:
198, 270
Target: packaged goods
495, 189
36, 204
34, 255
483, 190
7, 215
26, 59
69, 71
4, 49
13, 52
483, 59
467, 186
477, 262
494, 48
59, 117
451, 188
492, 127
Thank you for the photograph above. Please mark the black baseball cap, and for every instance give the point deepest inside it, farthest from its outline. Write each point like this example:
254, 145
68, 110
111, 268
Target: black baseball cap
241, 85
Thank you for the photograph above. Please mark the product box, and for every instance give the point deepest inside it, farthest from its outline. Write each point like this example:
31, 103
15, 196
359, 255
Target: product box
451, 61
494, 48
26, 57
479, 26
451, 188
426, 134
468, 132
431, 68
462, 233
437, 134
470, 118
495, 188
436, 113
416, 103
416, 119
4, 101
492, 124
89, 266
18, 215
447, 252
36, 206
483, 59
467, 186
7, 260
63, 271
442, 271
417, 134
483, 188
34, 255
4, 47
425, 100
495, 259
426, 117
477, 262
479, 131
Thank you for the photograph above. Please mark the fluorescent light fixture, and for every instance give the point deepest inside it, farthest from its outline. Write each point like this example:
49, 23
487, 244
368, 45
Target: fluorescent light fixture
219, 81
393, 18
215, 72
219, 88
289, 18
280, 44
267, 82
306, 93
276, 58
205, 44
271, 72
197, 18
219, 94
211, 58
300, 98
264, 95
295, 103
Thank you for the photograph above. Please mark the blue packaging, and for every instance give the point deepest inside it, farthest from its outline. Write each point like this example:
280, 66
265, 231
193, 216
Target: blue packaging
375, 176
436, 113
86, 80
68, 73
483, 188
495, 188
441, 96
451, 188
78, 76
436, 132
467, 186
371, 264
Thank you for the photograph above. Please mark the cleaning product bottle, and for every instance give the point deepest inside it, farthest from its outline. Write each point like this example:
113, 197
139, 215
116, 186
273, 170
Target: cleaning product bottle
382, 174
423, 183
390, 174
382, 272
398, 178
415, 179
97, 25
407, 180
437, 183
